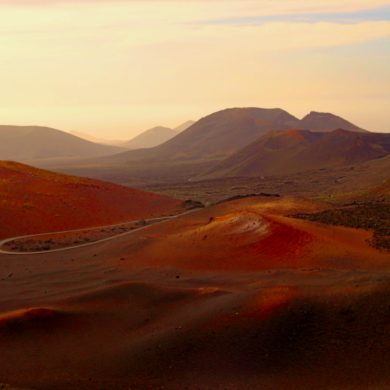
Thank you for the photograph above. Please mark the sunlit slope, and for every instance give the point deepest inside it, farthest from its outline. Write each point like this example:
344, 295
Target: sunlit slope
35, 201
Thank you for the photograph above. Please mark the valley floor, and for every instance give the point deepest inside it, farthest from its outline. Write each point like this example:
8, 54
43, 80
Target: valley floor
236, 296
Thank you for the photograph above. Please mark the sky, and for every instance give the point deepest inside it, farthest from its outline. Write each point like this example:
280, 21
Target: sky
115, 68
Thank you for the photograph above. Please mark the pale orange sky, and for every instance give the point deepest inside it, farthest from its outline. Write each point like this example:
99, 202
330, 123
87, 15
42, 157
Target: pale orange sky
115, 68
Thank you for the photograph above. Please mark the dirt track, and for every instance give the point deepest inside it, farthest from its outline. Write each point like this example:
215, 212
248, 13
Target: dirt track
21, 241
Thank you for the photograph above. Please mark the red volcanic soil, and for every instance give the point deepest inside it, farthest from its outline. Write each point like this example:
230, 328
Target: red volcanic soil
235, 296
252, 235
37, 201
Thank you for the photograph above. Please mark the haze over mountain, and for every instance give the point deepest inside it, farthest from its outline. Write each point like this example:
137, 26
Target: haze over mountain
197, 149
214, 136
184, 126
34, 143
300, 150
156, 136
223, 133
150, 138
91, 138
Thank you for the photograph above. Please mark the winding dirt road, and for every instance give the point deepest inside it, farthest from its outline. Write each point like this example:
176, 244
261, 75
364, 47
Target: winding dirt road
149, 222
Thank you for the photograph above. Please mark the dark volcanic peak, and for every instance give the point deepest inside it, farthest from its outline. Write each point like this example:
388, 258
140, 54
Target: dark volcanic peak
272, 115
224, 132
323, 121
217, 135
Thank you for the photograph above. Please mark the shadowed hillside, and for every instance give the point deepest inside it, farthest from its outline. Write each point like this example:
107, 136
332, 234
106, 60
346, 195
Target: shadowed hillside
301, 150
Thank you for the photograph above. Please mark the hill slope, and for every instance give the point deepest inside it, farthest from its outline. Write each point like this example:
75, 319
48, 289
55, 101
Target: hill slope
38, 201
299, 150
30, 143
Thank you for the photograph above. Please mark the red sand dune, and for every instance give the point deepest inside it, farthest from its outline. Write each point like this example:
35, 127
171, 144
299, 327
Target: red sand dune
37, 201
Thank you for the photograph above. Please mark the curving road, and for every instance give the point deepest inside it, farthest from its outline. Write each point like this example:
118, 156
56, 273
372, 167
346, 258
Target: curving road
149, 222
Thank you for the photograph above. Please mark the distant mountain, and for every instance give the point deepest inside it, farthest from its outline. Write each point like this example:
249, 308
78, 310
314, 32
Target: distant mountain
216, 136
184, 126
30, 143
223, 133
197, 149
285, 152
151, 138
322, 121
91, 138
156, 136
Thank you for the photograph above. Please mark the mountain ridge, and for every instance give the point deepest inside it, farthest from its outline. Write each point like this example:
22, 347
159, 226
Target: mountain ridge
194, 151
299, 150
30, 143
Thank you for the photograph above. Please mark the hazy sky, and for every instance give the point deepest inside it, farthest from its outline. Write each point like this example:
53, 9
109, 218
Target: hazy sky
114, 68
